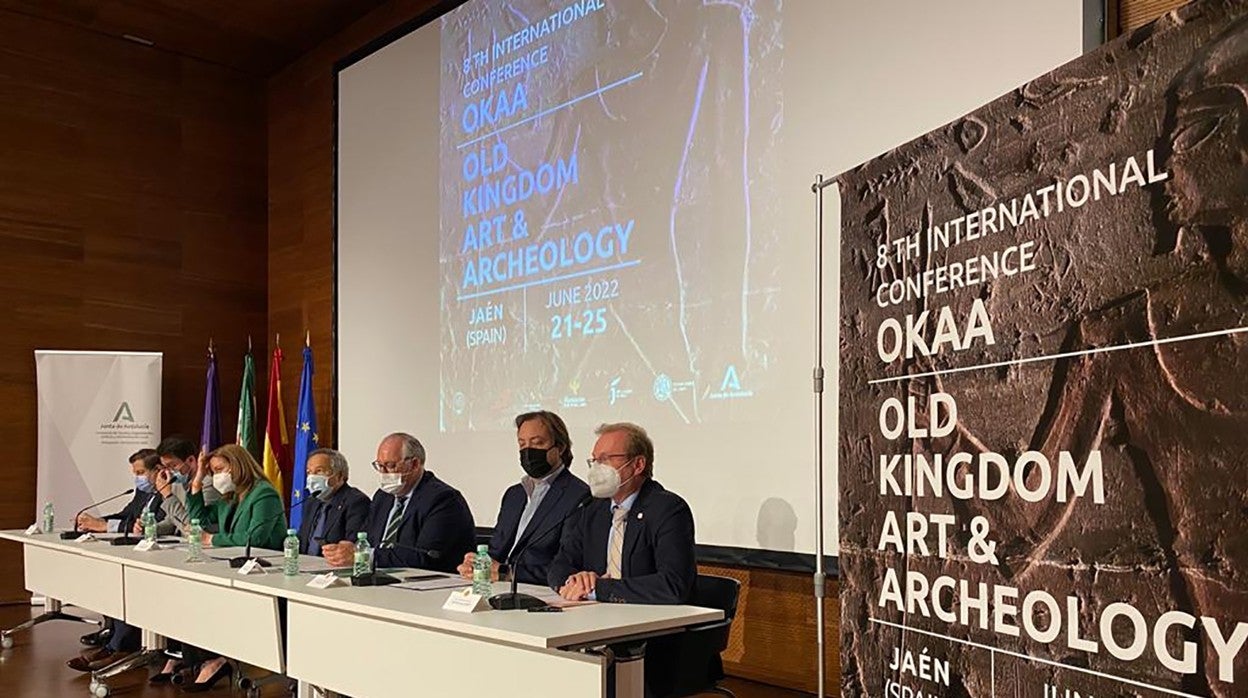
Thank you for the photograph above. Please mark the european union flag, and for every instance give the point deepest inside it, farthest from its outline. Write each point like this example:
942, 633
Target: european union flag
305, 440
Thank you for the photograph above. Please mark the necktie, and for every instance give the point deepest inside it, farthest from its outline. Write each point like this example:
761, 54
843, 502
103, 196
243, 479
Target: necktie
615, 553
318, 531
392, 526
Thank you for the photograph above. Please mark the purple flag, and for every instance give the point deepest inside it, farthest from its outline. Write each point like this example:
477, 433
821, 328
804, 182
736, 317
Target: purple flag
210, 435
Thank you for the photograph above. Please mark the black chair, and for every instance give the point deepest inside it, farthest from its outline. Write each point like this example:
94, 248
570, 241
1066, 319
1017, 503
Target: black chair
698, 665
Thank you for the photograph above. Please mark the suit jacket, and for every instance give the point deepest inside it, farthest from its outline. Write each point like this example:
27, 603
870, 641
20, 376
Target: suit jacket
347, 515
566, 490
659, 565
134, 510
259, 518
437, 518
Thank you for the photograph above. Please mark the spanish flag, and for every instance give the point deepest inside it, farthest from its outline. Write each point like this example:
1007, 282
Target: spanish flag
276, 449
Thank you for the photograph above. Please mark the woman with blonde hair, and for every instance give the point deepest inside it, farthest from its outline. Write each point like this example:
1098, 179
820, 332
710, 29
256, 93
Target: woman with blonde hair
249, 511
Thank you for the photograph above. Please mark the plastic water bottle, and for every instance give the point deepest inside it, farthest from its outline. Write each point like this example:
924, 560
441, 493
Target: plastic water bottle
290, 553
363, 566
49, 518
149, 526
195, 542
481, 569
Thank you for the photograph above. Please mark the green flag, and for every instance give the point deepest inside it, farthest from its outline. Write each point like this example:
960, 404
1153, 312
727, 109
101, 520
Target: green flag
247, 407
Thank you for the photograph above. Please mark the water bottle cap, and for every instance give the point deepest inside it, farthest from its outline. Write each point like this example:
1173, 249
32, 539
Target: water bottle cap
194, 522
291, 532
483, 550
362, 535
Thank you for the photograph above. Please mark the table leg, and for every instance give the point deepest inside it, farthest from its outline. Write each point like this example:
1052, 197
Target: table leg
51, 611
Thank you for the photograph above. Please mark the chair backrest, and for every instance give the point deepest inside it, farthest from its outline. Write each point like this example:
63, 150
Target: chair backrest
693, 656
711, 591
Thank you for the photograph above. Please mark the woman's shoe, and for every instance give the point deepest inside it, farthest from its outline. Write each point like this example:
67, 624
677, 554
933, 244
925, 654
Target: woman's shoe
222, 671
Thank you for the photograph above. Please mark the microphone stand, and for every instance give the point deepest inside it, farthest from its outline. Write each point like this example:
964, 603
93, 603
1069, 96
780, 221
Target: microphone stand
125, 538
70, 535
236, 562
514, 600
380, 579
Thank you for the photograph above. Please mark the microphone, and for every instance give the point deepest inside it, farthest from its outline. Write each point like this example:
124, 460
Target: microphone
427, 552
125, 538
307, 497
513, 600
379, 579
67, 535
239, 561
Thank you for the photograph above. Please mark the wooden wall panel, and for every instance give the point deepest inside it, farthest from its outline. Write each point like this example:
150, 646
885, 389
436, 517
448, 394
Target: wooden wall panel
1136, 13
132, 217
253, 37
773, 636
301, 161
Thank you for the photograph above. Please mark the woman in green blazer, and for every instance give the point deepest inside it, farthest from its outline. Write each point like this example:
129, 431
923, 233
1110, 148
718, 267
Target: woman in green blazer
249, 510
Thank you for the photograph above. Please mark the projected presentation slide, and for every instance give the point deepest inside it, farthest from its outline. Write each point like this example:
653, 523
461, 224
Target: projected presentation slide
607, 233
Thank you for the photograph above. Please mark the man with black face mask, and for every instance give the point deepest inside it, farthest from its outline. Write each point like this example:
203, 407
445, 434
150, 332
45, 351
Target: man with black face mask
542, 498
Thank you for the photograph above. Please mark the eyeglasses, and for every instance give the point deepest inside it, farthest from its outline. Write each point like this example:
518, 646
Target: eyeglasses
605, 458
390, 467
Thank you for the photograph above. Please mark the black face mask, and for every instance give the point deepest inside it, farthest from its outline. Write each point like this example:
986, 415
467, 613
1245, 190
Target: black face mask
534, 462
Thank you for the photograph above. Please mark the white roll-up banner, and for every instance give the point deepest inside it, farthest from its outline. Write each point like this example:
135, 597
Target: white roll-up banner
96, 408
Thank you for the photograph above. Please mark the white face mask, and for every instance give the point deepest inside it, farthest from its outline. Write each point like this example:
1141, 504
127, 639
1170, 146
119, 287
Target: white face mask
318, 485
604, 481
391, 482
222, 482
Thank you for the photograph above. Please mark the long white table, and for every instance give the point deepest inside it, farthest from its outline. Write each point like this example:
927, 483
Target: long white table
363, 641
159, 592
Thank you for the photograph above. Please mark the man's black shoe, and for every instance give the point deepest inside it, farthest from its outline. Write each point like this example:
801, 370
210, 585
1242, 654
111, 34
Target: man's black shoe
98, 638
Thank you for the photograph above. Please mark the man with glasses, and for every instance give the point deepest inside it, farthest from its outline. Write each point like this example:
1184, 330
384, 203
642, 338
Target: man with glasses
634, 544
415, 519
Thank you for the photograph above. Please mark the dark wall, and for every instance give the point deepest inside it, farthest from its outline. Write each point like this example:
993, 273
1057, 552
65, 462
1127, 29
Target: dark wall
132, 217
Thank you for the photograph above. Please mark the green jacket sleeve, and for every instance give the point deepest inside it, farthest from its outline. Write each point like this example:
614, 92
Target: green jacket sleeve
196, 509
260, 519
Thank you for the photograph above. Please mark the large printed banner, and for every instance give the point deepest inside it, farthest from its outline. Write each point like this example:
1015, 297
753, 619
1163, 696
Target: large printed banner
96, 408
1044, 384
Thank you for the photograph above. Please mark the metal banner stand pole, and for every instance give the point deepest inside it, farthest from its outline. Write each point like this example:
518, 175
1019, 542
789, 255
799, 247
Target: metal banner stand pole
820, 573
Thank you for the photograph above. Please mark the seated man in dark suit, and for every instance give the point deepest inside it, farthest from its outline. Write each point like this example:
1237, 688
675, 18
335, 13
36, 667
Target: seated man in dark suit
143, 465
338, 511
537, 504
635, 543
415, 519
118, 638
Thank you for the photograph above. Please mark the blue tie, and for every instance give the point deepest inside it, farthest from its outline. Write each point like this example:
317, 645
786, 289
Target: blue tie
318, 531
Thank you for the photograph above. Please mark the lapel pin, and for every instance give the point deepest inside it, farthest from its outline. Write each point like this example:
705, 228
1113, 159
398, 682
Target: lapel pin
640, 514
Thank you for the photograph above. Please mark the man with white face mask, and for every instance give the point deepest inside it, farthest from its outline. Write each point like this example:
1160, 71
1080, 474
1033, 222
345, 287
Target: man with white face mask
415, 519
635, 542
337, 511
